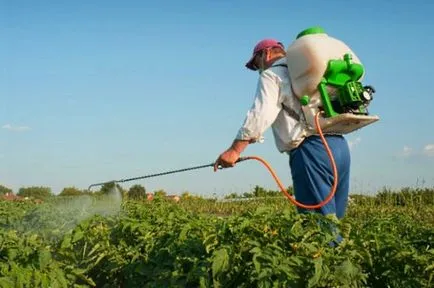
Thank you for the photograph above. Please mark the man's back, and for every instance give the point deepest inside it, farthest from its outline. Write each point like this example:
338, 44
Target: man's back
275, 105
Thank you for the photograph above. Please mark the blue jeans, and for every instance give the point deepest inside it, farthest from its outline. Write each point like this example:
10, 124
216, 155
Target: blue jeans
312, 173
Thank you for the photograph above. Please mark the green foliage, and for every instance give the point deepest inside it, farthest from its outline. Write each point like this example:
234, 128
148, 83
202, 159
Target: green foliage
37, 192
5, 190
207, 243
260, 192
25, 261
160, 193
71, 191
406, 196
111, 188
107, 188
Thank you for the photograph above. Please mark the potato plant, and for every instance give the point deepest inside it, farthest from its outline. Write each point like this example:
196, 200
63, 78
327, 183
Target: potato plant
206, 243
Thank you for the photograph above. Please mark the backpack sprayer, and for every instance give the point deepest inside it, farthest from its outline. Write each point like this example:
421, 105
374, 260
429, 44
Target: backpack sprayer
326, 78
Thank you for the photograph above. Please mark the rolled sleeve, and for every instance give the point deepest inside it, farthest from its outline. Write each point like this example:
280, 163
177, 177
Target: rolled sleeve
265, 108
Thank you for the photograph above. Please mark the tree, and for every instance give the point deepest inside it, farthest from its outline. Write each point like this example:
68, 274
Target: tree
37, 192
111, 187
160, 193
5, 190
262, 192
185, 195
137, 192
232, 195
71, 191
259, 191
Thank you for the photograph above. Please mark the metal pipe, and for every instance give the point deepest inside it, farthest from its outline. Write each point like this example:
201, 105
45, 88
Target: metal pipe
160, 174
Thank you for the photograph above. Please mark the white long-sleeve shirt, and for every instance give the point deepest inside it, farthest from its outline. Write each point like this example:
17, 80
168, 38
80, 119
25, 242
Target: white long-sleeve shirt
273, 90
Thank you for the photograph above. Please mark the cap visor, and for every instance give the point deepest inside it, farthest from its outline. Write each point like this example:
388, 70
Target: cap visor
250, 65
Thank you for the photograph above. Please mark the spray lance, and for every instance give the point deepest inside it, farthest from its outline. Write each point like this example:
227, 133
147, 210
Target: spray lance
161, 174
267, 165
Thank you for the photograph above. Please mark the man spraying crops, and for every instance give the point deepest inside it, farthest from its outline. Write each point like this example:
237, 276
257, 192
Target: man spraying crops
276, 106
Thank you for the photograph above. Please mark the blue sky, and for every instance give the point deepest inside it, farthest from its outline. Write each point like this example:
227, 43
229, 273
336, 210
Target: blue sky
99, 90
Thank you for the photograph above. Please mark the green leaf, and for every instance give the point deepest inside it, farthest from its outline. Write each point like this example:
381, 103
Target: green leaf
97, 245
184, 231
78, 235
256, 263
12, 253
430, 267
210, 242
313, 281
66, 243
6, 282
44, 259
220, 262
101, 256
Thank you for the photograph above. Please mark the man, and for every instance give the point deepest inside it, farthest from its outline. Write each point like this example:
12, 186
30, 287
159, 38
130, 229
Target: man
276, 106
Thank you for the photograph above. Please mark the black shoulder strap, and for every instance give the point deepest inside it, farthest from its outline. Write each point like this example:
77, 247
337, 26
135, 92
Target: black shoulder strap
288, 110
291, 112
282, 65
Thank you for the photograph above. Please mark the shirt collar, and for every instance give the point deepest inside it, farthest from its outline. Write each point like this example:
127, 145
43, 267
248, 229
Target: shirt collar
280, 61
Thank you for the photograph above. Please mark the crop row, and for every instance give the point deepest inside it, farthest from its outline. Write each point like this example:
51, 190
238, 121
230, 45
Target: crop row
253, 244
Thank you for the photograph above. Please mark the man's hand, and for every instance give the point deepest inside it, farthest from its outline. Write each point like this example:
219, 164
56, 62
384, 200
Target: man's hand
227, 159
231, 155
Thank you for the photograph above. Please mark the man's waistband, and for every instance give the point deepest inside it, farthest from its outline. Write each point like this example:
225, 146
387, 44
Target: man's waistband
326, 135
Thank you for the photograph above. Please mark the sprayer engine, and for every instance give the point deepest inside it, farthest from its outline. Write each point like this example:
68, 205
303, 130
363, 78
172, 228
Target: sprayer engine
350, 96
344, 100
353, 98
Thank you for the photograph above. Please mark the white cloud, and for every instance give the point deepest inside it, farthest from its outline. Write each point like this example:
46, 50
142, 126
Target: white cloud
15, 128
428, 150
353, 143
407, 151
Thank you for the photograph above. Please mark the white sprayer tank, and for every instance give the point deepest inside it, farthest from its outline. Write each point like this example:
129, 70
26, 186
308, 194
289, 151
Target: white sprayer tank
308, 56
307, 60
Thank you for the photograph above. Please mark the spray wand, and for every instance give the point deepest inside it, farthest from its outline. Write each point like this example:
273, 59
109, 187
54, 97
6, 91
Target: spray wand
270, 169
162, 173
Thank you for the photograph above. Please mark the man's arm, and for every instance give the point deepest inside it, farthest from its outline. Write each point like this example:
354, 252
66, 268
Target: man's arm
239, 145
259, 118
264, 110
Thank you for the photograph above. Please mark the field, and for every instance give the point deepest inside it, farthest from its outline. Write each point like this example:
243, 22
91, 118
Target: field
98, 241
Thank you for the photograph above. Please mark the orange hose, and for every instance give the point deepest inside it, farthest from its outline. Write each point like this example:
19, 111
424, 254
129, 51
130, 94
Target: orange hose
292, 199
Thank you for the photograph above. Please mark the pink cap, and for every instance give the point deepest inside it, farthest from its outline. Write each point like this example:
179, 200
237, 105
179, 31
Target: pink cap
261, 45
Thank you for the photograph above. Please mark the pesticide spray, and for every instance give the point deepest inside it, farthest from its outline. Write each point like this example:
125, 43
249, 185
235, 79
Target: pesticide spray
107, 204
57, 216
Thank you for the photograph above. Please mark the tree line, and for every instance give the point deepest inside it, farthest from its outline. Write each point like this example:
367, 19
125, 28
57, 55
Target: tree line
41, 192
401, 197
